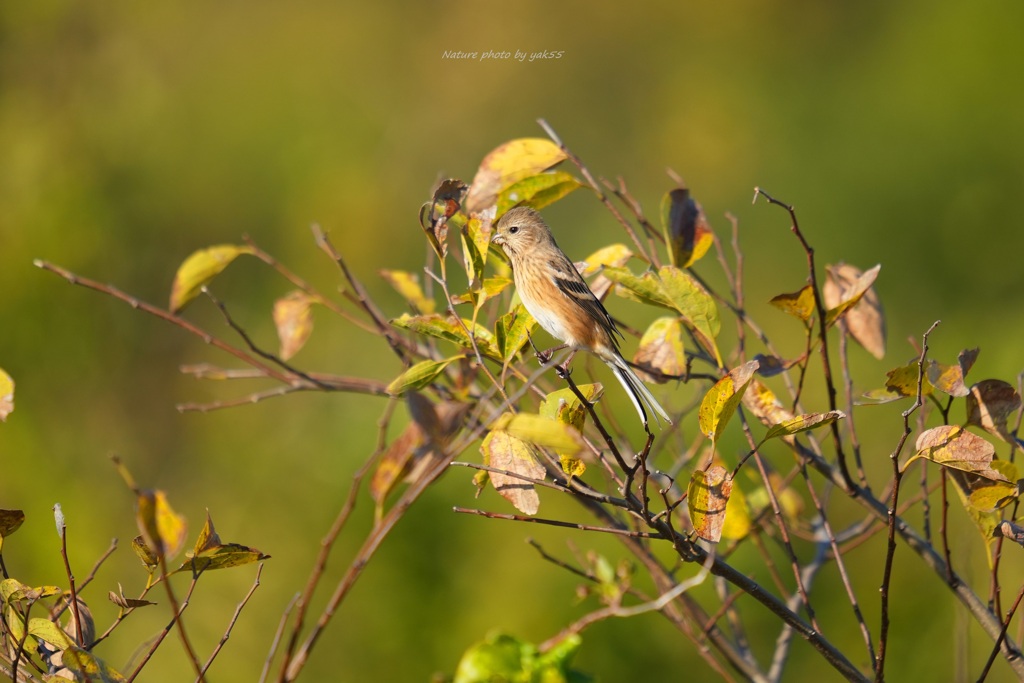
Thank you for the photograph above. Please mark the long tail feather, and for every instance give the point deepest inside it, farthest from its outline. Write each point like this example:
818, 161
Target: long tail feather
638, 392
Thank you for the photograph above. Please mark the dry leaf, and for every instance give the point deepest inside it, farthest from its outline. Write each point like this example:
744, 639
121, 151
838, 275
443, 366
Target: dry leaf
293, 317
990, 405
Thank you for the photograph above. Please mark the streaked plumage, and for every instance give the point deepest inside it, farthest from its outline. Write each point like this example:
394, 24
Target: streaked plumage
555, 294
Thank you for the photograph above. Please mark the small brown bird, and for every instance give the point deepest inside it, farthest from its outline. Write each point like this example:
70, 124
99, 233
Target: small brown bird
555, 294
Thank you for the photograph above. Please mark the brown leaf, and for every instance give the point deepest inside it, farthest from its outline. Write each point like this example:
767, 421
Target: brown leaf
395, 462
123, 602
506, 452
293, 317
846, 287
764, 404
707, 498
954, 447
990, 405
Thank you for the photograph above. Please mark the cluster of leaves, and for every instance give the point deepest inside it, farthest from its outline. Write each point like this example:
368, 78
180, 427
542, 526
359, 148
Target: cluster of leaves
44, 648
470, 383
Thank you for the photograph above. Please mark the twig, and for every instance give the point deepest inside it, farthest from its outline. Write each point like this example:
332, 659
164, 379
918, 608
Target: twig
897, 476
277, 637
75, 612
558, 522
1002, 635
167, 629
231, 624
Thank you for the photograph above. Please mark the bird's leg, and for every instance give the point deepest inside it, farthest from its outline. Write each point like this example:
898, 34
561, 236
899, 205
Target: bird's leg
545, 356
563, 369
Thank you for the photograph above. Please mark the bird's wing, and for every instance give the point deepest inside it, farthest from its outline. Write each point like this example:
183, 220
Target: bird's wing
575, 288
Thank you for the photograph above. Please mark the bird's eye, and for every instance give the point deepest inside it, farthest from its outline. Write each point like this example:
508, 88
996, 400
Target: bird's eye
513, 230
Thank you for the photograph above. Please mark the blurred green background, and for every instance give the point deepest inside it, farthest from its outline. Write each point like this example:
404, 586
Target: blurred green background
133, 134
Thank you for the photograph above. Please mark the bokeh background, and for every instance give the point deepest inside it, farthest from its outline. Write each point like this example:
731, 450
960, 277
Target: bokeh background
133, 134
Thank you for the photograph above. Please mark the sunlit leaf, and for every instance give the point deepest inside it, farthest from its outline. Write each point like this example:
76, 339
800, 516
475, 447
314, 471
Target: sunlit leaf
676, 290
850, 296
419, 375
954, 447
564, 406
687, 228
507, 452
293, 318
537, 191
6, 395
50, 632
503, 658
222, 556
737, 522
90, 667
990, 405
865, 321
707, 496
146, 554
949, 379
512, 330
395, 463
507, 164
765, 405
903, 381
408, 286
541, 431
612, 256
448, 328
803, 423
12, 590
799, 303
488, 289
162, 528
721, 401
476, 236
661, 351
199, 269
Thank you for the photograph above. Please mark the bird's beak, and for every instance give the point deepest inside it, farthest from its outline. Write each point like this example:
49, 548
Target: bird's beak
497, 238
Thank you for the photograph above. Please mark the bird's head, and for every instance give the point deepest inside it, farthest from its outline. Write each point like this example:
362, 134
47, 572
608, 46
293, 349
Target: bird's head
520, 229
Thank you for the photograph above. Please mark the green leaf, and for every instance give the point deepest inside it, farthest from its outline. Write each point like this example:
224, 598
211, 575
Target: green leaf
537, 191
146, 554
512, 330
90, 667
12, 590
408, 286
476, 238
802, 423
687, 228
721, 401
49, 632
503, 658
419, 375
678, 291
199, 269
507, 164
565, 407
707, 497
447, 328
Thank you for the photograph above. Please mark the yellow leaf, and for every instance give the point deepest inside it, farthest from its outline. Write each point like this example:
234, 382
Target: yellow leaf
537, 191
6, 395
509, 163
723, 398
799, 303
447, 327
737, 516
765, 405
661, 350
802, 423
162, 528
541, 431
145, 553
954, 447
476, 237
408, 286
199, 269
293, 317
903, 381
